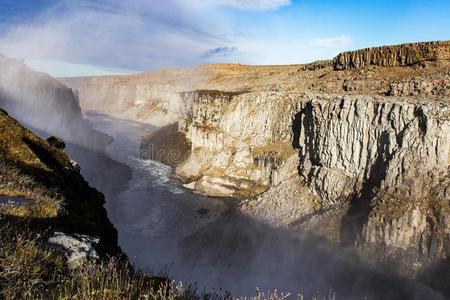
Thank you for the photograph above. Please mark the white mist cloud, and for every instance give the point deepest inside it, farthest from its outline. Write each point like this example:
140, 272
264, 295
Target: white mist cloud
337, 42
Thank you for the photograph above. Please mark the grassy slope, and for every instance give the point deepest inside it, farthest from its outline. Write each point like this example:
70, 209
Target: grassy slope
62, 201
31, 168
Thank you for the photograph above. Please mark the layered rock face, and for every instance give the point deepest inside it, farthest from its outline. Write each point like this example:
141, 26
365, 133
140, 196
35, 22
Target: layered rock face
381, 164
365, 139
241, 143
393, 56
390, 160
42, 102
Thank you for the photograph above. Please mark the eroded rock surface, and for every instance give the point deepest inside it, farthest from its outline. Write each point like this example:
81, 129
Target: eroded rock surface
375, 167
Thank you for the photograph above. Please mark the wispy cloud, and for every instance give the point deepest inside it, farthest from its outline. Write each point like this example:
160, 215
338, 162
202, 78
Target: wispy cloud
250, 4
139, 35
219, 52
337, 42
136, 34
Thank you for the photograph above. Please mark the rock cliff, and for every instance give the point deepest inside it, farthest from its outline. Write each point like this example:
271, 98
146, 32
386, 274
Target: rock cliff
42, 102
393, 56
367, 171
355, 149
380, 165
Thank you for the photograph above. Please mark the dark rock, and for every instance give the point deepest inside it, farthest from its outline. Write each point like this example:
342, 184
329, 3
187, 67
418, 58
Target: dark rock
56, 142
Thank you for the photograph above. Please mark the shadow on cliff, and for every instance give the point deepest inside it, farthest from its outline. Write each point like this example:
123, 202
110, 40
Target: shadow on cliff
360, 208
437, 276
254, 254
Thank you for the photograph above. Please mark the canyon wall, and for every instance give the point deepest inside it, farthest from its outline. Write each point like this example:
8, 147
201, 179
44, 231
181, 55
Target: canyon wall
44, 103
241, 143
354, 149
156, 104
382, 163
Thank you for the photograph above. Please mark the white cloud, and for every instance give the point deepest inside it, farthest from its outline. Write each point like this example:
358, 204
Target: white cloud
137, 35
134, 34
249, 4
337, 42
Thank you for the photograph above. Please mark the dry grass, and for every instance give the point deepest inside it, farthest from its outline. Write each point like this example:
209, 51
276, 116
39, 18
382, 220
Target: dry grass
47, 202
23, 259
30, 270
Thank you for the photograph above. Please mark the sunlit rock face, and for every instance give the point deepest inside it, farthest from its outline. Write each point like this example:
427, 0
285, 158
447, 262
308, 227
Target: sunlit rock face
44, 103
156, 104
393, 56
354, 149
241, 142
384, 161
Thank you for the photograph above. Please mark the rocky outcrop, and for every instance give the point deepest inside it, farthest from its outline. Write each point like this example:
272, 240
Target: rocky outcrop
56, 142
42, 102
393, 56
421, 87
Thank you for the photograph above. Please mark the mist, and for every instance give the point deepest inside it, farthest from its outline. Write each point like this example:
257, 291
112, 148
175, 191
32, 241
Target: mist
169, 230
42, 102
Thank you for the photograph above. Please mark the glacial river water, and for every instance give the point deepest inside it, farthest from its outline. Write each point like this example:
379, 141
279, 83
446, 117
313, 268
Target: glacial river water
196, 239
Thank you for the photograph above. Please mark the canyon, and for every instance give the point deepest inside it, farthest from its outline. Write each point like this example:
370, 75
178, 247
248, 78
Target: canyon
354, 149
294, 168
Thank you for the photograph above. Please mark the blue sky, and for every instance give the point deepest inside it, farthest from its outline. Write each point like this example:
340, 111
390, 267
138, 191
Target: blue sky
87, 37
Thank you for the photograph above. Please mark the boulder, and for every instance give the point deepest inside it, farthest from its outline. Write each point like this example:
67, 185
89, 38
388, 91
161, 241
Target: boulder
77, 248
56, 142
